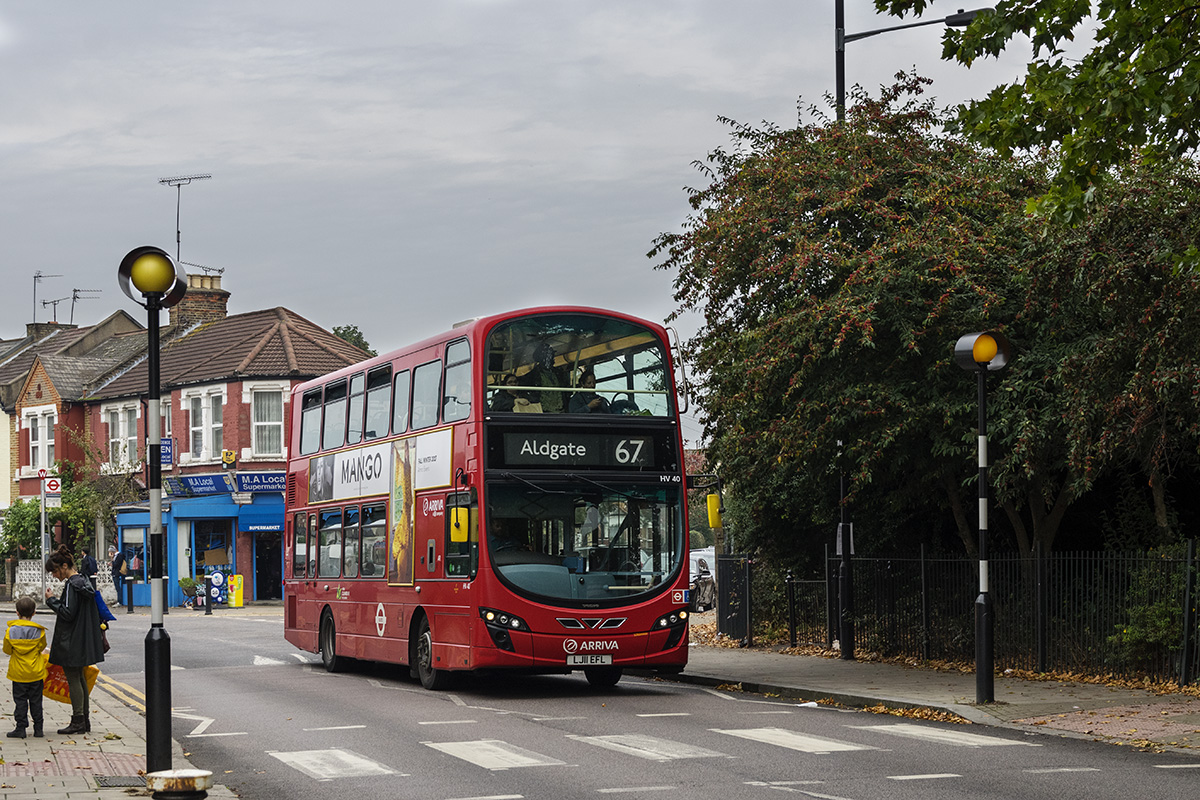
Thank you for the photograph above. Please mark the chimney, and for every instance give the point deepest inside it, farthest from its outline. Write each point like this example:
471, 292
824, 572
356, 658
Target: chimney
40, 330
205, 301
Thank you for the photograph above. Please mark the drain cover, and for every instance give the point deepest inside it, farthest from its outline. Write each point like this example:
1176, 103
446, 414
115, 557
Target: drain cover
108, 781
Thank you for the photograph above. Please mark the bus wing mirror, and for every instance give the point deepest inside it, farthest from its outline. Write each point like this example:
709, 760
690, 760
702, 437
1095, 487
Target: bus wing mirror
460, 524
714, 511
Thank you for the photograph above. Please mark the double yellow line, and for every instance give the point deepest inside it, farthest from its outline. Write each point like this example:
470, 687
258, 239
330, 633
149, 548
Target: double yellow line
123, 692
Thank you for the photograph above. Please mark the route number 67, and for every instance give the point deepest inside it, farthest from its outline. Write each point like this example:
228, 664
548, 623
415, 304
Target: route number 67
629, 451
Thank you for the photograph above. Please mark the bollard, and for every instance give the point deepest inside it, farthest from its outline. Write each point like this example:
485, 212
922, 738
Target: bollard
128, 594
179, 784
208, 595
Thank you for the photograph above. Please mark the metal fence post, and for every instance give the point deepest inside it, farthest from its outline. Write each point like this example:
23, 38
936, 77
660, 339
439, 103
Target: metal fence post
831, 603
791, 604
1186, 671
925, 633
1043, 608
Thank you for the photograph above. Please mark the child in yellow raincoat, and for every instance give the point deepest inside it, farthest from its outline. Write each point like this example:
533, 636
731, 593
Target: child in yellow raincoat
24, 641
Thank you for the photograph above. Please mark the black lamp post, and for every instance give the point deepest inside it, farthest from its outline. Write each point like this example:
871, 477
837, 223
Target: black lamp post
982, 353
960, 20
161, 283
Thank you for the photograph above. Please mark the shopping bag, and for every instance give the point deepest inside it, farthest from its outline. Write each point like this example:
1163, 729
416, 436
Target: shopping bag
55, 686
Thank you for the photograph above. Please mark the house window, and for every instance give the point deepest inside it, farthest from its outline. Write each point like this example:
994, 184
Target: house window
40, 423
267, 428
122, 437
206, 437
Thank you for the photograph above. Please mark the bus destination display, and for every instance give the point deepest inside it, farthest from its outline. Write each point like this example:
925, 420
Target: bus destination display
578, 450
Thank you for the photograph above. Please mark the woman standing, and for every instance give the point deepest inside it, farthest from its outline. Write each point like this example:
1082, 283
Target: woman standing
77, 641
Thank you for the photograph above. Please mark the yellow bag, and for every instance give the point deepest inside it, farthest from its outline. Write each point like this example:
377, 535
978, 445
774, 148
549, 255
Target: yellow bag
55, 686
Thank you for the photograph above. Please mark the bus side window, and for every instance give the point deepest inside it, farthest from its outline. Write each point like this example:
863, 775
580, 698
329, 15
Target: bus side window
312, 548
462, 535
374, 541
333, 430
456, 397
354, 422
379, 400
299, 545
427, 380
350, 543
400, 403
329, 544
310, 422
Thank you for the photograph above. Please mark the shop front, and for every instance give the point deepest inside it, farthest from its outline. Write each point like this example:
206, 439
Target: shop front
230, 522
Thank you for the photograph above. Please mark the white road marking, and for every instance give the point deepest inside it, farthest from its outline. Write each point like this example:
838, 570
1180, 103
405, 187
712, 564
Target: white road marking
794, 741
954, 738
337, 728
326, 765
553, 719
1049, 770
200, 729
637, 789
449, 722
648, 747
263, 661
492, 797
494, 754
926, 777
784, 783
177, 668
303, 659
1177, 766
668, 714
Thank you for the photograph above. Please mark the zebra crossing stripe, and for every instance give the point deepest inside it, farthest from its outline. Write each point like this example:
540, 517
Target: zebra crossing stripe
326, 765
651, 748
494, 754
794, 741
953, 738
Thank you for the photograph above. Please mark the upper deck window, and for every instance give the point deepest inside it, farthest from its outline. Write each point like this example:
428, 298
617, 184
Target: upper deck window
310, 422
456, 396
577, 364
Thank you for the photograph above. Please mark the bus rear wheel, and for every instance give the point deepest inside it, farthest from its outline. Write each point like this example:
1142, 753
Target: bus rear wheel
431, 678
328, 644
603, 677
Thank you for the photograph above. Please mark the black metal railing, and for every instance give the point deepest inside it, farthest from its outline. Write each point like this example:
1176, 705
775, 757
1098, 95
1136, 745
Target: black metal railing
1125, 614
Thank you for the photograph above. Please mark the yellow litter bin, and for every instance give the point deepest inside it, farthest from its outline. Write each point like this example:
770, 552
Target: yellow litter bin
235, 591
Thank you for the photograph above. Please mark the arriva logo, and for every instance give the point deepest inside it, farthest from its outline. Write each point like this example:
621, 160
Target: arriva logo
574, 646
433, 507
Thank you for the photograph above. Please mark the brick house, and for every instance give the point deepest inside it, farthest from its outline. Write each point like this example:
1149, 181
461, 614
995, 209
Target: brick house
225, 396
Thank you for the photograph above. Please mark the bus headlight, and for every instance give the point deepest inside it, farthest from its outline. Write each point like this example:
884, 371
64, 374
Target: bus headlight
499, 623
674, 622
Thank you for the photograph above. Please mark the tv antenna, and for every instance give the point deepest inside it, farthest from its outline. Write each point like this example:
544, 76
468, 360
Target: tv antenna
55, 304
179, 182
80, 294
37, 278
207, 270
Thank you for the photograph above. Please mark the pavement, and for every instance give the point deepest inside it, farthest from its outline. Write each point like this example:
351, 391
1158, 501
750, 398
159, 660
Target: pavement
57, 766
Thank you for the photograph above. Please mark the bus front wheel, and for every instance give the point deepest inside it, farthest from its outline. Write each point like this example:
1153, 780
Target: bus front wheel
431, 678
328, 644
603, 677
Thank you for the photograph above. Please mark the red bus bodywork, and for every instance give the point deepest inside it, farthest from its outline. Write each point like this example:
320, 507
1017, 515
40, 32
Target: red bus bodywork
603, 587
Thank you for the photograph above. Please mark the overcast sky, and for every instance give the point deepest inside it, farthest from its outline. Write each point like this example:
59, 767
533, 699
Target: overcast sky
398, 165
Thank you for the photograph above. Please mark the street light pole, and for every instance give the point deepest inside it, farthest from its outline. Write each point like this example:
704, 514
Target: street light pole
960, 20
845, 540
161, 284
982, 353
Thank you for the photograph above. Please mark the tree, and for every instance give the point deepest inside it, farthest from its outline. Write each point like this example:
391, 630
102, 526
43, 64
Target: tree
354, 336
1132, 94
834, 266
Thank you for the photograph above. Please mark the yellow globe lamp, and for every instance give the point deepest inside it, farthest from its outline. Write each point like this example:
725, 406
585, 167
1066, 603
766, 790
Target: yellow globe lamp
149, 271
987, 350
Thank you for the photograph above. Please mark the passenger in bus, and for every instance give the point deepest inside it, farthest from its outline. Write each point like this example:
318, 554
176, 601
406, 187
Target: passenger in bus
587, 401
506, 399
544, 374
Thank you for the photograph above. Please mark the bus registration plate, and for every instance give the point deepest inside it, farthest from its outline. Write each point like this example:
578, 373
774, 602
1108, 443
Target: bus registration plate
588, 660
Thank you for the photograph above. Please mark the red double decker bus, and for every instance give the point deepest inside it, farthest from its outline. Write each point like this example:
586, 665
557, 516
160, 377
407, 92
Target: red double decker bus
509, 495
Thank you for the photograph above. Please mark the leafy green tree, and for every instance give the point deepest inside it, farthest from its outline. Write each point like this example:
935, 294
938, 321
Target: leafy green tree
354, 336
21, 534
1132, 94
834, 266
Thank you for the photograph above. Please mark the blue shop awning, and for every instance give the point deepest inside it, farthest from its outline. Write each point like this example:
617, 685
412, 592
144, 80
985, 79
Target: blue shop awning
260, 517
